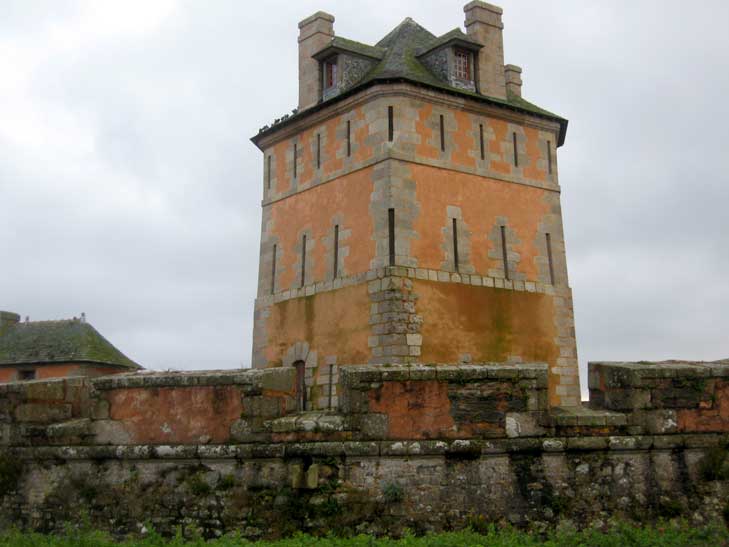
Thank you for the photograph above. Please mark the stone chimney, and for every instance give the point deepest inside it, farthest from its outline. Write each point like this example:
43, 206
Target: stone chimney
314, 33
512, 73
8, 318
483, 24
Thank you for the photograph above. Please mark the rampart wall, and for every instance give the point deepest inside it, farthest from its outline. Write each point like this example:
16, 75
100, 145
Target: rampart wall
421, 446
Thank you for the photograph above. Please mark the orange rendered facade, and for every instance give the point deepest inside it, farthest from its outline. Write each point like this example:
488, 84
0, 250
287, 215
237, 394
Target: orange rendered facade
403, 224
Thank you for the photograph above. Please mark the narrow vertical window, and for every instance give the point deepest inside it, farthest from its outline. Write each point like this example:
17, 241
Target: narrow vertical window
455, 243
268, 172
303, 260
318, 151
295, 158
549, 257
549, 158
336, 249
390, 124
480, 136
349, 139
391, 234
516, 155
330, 73
504, 254
273, 270
442, 135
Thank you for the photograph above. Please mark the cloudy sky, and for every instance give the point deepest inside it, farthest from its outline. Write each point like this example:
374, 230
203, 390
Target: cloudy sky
129, 189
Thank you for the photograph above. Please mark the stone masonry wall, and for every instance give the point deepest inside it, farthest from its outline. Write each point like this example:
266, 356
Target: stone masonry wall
426, 447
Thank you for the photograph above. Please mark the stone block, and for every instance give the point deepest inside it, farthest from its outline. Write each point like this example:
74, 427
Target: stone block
373, 426
110, 432
53, 390
72, 428
660, 422
43, 413
312, 477
523, 424
261, 406
278, 379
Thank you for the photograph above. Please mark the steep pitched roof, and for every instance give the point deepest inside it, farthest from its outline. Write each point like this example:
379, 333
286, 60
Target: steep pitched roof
456, 36
398, 52
343, 44
64, 341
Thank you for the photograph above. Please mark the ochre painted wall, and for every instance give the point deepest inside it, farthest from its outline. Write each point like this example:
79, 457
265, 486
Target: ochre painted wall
177, 415
491, 325
333, 323
481, 200
348, 199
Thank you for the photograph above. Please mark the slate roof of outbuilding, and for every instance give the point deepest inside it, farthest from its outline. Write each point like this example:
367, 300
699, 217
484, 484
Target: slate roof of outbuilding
398, 53
64, 341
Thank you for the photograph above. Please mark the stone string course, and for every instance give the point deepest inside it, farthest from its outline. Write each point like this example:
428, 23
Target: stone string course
428, 447
375, 276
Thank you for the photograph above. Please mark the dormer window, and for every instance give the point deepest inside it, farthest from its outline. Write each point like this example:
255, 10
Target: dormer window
330, 73
462, 65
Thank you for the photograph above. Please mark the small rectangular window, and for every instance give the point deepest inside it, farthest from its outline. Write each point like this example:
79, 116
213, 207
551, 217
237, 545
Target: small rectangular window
442, 135
549, 257
273, 270
390, 124
516, 155
549, 157
318, 151
391, 234
330, 73
349, 139
303, 260
504, 254
463, 64
480, 135
336, 250
455, 244
295, 159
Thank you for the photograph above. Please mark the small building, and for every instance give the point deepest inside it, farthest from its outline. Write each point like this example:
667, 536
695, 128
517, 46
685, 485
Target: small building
33, 350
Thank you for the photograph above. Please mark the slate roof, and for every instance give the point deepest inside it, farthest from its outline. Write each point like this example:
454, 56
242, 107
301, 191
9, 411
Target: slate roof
398, 52
64, 341
358, 48
456, 35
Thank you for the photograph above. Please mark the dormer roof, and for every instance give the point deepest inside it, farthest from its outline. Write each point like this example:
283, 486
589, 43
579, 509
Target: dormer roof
397, 59
455, 37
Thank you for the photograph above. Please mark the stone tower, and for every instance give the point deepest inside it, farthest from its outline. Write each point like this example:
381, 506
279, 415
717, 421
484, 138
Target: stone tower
411, 211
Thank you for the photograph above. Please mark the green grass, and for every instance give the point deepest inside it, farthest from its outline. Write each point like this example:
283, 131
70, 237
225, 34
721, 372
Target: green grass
619, 535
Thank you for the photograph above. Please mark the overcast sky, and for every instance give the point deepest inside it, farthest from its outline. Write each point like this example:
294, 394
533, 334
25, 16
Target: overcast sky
129, 189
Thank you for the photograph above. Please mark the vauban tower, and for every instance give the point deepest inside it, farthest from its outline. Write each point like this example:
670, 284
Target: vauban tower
411, 211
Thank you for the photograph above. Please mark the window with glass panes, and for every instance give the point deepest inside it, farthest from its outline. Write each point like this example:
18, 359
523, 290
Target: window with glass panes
463, 64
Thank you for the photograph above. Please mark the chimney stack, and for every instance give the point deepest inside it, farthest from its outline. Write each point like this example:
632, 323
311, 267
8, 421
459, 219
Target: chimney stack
314, 33
512, 73
483, 24
8, 318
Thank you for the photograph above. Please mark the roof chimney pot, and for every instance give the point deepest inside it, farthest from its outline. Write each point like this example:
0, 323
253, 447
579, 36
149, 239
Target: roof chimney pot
483, 24
314, 33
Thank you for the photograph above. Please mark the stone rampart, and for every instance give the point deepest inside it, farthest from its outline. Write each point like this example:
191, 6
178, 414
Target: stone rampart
421, 446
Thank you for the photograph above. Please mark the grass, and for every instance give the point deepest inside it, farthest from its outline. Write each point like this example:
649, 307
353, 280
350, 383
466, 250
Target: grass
675, 534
